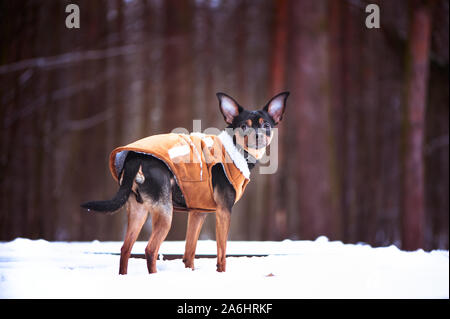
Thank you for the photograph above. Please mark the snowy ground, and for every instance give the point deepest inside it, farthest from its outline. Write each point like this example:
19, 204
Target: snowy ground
293, 269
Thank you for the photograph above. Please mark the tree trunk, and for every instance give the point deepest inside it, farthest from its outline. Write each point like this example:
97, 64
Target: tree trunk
310, 73
275, 223
414, 126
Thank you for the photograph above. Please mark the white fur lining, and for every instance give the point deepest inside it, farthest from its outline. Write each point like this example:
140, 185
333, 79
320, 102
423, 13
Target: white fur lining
179, 150
234, 153
208, 140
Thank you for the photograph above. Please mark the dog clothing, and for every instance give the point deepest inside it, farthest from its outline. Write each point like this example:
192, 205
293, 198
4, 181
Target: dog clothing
191, 158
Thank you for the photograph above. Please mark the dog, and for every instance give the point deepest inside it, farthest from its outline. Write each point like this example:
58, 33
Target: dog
195, 173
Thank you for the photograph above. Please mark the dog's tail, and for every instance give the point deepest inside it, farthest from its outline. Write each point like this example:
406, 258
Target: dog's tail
121, 197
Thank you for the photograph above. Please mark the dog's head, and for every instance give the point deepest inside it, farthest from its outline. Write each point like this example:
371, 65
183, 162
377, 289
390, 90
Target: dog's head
253, 129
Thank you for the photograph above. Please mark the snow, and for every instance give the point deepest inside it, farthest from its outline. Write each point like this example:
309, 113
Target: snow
292, 269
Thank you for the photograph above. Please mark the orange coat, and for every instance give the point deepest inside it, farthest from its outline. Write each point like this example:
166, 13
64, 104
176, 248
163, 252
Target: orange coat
191, 158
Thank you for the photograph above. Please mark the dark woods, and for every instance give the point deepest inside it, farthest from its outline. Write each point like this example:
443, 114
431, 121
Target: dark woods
363, 155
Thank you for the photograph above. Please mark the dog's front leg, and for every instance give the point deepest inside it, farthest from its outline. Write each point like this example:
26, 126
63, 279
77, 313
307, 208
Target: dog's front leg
194, 226
223, 218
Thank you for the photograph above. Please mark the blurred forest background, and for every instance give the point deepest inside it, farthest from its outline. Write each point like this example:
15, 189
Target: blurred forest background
364, 153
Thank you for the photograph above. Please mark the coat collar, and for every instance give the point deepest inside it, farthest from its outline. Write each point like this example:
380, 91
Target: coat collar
237, 157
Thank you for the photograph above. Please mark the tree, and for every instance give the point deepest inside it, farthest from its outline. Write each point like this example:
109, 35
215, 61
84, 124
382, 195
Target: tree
311, 100
416, 79
275, 223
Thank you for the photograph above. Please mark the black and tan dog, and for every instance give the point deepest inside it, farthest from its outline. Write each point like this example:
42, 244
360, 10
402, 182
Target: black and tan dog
196, 173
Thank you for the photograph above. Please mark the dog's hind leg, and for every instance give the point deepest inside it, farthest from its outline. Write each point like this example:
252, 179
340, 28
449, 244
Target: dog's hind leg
195, 223
137, 215
161, 213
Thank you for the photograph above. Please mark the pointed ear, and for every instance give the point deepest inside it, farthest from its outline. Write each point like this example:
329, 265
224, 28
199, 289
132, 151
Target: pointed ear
276, 106
229, 107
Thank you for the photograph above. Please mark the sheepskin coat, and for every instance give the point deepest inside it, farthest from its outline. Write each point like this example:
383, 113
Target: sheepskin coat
191, 158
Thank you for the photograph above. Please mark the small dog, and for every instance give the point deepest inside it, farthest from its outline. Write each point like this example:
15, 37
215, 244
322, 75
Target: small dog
195, 173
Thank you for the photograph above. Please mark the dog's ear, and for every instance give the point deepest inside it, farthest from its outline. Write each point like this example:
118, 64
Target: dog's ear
229, 107
276, 106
